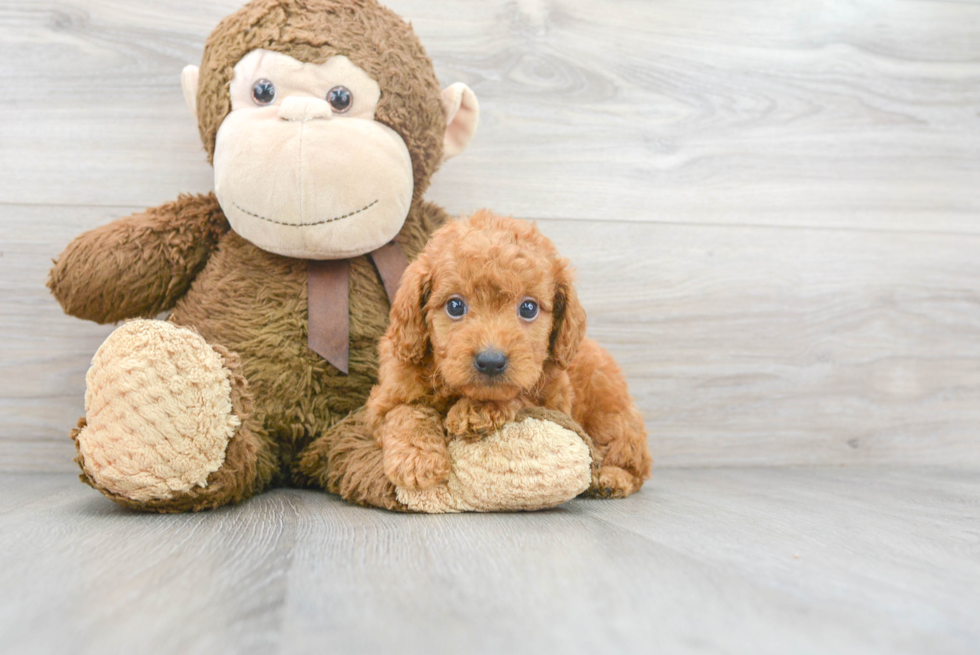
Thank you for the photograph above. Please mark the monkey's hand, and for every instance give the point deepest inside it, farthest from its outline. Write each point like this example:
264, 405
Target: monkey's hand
138, 266
414, 452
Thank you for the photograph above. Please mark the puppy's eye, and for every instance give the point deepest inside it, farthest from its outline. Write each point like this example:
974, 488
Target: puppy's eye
263, 92
456, 308
340, 99
528, 310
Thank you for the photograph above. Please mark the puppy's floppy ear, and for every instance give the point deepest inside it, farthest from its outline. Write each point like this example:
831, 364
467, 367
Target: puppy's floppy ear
408, 331
568, 315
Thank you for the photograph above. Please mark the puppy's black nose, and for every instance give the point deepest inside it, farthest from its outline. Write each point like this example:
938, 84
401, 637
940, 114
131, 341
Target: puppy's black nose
491, 362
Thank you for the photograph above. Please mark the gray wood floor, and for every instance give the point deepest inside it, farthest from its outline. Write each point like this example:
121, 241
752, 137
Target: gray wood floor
775, 560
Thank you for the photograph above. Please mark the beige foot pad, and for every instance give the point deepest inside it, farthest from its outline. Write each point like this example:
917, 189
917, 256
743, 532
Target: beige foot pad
159, 412
527, 465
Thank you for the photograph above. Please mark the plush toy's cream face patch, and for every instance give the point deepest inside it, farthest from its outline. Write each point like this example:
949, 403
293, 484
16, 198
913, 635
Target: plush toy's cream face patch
302, 169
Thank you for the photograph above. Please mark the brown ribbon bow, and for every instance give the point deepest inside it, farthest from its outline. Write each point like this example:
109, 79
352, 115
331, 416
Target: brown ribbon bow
328, 287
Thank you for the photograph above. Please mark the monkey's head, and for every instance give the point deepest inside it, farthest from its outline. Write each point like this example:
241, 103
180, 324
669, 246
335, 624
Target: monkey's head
324, 121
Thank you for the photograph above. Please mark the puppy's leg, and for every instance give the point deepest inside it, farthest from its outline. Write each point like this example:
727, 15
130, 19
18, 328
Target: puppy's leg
471, 419
625, 458
415, 454
604, 408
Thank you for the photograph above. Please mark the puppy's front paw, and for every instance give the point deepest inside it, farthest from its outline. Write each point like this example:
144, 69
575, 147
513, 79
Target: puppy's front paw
410, 467
613, 482
468, 419
457, 423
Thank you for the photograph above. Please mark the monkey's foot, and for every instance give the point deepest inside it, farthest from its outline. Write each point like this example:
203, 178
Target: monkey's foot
540, 460
159, 414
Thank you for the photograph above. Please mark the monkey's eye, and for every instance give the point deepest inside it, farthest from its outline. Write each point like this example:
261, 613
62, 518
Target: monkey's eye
528, 310
263, 92
456, 308
340, 99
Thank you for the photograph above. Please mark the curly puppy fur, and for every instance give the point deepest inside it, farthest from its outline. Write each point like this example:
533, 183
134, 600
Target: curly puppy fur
430, 389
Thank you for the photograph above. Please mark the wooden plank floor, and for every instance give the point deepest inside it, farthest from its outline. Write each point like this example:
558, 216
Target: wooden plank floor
789, 560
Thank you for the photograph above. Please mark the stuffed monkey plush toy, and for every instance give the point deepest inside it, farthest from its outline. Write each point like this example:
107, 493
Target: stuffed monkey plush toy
324, 122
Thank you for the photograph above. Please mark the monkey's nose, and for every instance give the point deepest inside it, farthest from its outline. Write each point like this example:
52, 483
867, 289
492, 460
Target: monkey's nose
490, 362
304, 109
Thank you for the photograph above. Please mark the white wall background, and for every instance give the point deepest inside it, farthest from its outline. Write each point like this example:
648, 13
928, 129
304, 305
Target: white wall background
774, 205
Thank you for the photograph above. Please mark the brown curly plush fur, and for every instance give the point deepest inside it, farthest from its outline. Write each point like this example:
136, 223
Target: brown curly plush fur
142, 264
251, 305
430, 390
349, 462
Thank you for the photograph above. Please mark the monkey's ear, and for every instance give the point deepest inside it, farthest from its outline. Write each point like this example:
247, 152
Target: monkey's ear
568, 330
462, 111
408, 331
188, 81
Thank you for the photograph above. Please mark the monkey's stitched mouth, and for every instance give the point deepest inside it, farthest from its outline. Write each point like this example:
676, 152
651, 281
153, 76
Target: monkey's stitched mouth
329, 220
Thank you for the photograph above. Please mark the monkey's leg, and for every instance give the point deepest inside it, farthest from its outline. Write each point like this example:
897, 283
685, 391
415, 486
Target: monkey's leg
169, 424
348, 461
540, 460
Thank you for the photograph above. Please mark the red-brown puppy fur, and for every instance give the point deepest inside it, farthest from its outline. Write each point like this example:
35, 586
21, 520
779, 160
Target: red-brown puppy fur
430, 389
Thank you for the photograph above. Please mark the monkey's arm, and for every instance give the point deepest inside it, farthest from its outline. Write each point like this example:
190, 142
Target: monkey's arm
140, 265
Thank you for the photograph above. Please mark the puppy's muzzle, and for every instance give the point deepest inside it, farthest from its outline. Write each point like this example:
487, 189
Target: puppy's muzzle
490, 362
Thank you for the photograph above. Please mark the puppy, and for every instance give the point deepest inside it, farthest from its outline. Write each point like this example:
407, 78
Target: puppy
486, 322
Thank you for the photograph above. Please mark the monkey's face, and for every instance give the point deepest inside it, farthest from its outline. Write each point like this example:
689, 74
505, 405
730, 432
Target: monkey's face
302, 169
324, 121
